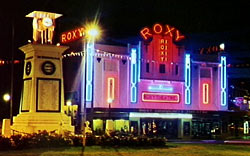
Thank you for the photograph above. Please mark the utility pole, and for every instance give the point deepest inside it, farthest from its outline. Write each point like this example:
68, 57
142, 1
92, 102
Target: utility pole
12, 70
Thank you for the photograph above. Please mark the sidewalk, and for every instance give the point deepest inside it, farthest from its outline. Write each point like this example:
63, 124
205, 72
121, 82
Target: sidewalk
245, 142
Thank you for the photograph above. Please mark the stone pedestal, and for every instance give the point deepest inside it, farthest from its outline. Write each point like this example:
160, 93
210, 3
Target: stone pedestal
6, 128
42, 98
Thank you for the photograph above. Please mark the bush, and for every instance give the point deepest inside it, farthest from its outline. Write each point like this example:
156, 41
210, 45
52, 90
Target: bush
76, 140
41, 139
21, 142
5, 143
118, 139
45, 139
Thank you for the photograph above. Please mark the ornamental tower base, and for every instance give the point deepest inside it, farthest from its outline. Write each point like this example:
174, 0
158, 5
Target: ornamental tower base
42, 97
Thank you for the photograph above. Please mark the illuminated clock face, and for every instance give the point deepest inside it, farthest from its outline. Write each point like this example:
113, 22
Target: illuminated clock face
48, 68
47, 22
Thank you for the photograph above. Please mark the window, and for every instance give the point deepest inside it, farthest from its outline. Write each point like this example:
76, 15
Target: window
162, 68
205, 73
176, 69
179, 51
110, 65
147, 67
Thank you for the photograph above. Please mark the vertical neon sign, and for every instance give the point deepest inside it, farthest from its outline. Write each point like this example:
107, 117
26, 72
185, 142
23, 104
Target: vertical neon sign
111, 88
187, 79
205, 91
223, 80
139, 61
163, 50
133, 74
89, 71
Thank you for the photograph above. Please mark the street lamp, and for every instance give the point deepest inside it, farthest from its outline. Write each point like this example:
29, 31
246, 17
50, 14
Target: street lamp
69, 103
222, 46
6, 97
93, 31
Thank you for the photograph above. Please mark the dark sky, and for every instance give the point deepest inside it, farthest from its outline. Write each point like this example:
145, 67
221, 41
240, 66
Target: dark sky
205, 22
122, 18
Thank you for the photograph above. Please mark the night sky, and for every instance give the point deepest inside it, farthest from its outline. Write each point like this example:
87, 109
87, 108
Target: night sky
204, 22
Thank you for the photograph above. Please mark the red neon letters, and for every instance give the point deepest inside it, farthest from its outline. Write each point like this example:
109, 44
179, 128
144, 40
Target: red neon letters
160, 97
157, 29
147, 33
169, 31
163, 50
72, 35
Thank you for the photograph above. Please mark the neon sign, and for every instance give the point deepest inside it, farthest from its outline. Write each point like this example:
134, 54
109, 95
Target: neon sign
163, 50
89, 71
239, 101
133, 78
111, 88
246, 127
139, 60
160, 115
160, 88
72, 35
223, 80
211, 49
187, 79
160, 97
205, 91
158, 29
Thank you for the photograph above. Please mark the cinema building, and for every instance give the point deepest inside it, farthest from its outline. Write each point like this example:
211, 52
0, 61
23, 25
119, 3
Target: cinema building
154, 87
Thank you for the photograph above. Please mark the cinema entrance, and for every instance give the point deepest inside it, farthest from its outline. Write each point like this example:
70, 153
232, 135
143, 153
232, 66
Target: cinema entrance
169, 125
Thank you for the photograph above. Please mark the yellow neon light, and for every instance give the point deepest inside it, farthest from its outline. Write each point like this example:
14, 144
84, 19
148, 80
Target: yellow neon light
205, 96
159, 96
111, 88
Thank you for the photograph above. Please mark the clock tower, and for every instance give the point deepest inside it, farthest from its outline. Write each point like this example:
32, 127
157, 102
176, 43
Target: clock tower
42, 99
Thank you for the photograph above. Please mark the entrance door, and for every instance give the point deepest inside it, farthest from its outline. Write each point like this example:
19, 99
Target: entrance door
160, 127
202, 129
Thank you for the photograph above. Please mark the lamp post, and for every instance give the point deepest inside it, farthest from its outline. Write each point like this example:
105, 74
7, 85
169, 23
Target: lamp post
71, 110
7, 98
6, 130
92, 33
109, 102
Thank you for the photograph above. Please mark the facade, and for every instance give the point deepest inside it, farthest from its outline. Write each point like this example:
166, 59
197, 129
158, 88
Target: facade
156, 87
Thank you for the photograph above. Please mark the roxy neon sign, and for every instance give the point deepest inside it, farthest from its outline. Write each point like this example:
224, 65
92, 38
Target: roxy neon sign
72, 35
158, 29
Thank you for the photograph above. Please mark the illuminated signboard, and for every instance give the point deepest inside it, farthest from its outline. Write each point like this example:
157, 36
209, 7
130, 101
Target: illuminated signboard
246, 127
160, 88
72, 35
163, 50
211, 50
239, 101
162, 39
160, 97
159, 29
